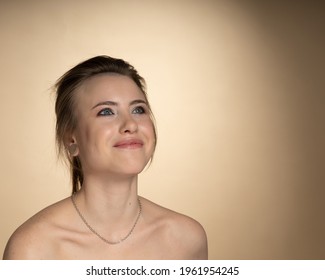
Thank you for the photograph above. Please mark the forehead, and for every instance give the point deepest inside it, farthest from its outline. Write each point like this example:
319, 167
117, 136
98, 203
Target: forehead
108, 87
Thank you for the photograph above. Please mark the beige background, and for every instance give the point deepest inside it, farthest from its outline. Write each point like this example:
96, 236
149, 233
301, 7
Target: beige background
237, 88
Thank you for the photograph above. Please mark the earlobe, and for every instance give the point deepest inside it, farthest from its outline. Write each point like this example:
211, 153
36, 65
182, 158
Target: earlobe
71, 145
73, 149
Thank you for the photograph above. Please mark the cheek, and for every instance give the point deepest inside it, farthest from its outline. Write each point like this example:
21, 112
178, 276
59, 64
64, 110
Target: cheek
82, 138
149, 131
95, 136
86, 136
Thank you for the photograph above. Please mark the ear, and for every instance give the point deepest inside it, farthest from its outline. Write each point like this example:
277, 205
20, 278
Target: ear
72, 146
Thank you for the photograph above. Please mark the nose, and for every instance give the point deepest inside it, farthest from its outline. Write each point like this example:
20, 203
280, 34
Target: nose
128, 124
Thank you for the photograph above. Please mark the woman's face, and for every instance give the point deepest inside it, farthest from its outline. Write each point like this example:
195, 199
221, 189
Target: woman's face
114, 133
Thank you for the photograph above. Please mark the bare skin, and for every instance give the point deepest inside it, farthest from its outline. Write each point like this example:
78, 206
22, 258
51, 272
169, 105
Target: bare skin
58, 233
110, 110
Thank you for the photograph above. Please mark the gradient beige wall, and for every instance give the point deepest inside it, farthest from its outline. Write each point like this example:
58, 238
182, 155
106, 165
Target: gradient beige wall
237, 88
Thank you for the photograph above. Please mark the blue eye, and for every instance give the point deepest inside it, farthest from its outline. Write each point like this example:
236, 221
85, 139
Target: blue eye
106, 112
138, 110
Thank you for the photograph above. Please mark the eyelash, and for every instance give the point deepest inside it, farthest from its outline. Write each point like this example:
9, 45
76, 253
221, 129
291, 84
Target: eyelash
105, 111
109, 112
142, 110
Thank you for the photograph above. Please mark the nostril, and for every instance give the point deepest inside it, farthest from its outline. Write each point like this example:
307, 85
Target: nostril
129, 126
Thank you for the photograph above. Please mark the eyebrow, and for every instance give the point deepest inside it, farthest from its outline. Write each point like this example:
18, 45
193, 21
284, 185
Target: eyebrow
113, 103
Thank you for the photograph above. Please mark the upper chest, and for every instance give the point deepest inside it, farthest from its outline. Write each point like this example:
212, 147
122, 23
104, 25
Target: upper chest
143, 244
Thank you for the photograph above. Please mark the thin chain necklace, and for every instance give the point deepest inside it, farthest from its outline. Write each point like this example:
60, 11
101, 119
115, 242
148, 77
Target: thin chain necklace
96, 233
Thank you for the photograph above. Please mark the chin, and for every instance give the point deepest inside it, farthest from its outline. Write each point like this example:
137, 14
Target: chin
132, 169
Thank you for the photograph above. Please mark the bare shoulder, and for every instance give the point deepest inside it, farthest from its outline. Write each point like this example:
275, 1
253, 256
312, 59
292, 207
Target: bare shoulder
33, 239
182, 234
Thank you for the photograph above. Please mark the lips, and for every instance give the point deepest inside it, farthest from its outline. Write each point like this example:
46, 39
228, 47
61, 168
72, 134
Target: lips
129, 144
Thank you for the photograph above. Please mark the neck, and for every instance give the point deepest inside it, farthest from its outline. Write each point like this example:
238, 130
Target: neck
109, 203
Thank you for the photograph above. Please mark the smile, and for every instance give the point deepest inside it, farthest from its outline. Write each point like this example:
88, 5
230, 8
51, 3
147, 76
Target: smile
129, 144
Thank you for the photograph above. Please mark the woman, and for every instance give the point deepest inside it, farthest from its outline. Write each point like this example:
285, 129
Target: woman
105, 129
